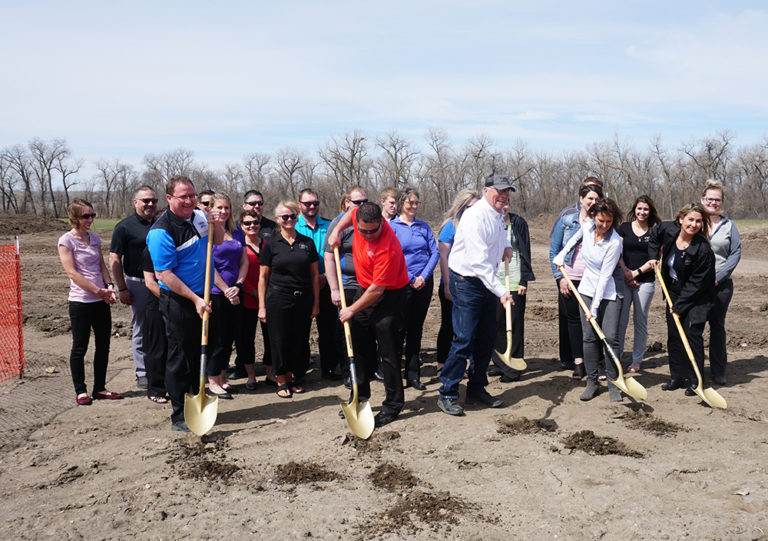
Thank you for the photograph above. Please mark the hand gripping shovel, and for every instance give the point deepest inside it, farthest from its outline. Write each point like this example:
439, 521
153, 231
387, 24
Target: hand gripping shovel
624, 382
200, 409
515, 363
709, 395
359, 416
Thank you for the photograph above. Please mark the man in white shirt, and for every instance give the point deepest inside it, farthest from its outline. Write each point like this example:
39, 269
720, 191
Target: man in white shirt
478, 248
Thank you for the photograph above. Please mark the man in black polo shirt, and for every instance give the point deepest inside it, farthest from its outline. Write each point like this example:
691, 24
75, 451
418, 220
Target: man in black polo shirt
128, 241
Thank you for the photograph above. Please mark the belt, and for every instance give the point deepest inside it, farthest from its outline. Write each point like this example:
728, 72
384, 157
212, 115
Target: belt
134, 279
294, 292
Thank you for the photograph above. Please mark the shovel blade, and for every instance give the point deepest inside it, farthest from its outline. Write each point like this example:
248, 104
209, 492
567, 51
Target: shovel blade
359, 417
631, 387
200, 411
516, 363
711, 397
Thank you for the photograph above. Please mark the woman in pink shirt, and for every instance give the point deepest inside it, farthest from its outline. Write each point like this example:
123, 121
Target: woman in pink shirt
91, 291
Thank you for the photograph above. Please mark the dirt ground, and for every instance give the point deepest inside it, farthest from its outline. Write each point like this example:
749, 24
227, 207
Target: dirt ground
545, 466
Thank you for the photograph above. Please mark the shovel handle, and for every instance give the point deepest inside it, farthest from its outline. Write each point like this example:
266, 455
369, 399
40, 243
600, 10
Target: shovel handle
584, 306
508, 304
347, 333
206, 298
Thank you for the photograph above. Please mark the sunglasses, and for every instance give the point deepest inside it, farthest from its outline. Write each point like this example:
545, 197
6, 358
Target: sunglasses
286, 217
205, 203
254, 203
148, 200
310, 203
88, 216
251, 223
369, 231
358, 202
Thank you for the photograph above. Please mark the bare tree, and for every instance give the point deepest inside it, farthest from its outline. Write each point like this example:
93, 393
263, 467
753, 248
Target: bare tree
394, 167
67, 167
160, 168
45, 156
257, 167
289, 162
8, 185
116, 178
19, 161
345, 158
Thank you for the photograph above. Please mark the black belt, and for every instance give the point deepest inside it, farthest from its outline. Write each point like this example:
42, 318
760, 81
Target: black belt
289, 291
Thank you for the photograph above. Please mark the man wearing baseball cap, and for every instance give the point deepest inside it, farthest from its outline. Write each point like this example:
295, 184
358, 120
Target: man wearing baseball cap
478, 248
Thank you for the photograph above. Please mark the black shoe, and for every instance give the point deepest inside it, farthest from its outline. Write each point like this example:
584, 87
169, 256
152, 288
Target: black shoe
251, 385
348, 382
236, 372
416, 384
566, 365
450, 406
378, 375
383, 418
514, 375
142, 382
673, 384
690, 390
332, 376
484, 397
494, 370
579, 371
720, 380
225, 395
179, 426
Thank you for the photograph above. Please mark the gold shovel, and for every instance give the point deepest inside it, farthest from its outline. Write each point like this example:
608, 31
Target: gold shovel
200, 410
515, 363
359, 416
708, 395
624, 382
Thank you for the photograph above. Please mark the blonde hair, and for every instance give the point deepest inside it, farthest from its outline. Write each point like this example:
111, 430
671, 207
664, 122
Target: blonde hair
287, 203
229, 225
713, 184
460, 204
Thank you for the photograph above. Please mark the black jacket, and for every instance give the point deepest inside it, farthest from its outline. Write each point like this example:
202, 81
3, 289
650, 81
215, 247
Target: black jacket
698, 274
520, 228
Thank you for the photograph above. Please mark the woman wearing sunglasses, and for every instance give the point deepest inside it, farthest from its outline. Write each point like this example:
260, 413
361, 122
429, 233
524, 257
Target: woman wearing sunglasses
90, 293
289, 290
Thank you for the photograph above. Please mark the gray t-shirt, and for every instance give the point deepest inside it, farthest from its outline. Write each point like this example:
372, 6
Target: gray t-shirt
345, 253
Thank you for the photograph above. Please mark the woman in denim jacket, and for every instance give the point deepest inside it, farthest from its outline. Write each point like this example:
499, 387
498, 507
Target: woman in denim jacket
565, 228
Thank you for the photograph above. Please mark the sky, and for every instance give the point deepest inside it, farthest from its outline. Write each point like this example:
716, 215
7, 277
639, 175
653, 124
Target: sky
229, 78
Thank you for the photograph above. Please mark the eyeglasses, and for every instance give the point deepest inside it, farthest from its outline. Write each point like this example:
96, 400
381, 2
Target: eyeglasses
369, 231
148, 200
310, 203
89, 216
412, 203
254, 203
251, 223
712, 200
205, 203
286, 217
186, 197
358, 202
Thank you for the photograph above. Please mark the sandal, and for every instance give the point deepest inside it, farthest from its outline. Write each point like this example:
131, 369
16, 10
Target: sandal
158, 399
282, 388
107, 395
634, 368
579, 371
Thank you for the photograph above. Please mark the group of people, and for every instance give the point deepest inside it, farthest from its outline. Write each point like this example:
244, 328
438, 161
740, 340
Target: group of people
282, 274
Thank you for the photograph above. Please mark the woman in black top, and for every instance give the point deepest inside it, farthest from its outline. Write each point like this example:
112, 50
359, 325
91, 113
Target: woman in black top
289, 288
639, 281
688, 268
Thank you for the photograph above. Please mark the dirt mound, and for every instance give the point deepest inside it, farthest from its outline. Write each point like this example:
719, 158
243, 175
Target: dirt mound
18, 224
295, 473
587, 441
197, 461
392, 477
375, 444
523, 425
414, 511
541, 313
640, 419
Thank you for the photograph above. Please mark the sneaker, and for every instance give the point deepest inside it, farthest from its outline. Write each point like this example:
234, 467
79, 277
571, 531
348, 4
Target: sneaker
251, 385
179, 426
484, 398
592, 390
450, 406
614, 394
142, 382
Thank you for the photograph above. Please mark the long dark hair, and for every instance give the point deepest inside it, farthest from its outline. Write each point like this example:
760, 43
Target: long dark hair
653, 215
606, 206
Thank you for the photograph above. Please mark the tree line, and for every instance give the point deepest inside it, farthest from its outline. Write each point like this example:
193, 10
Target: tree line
43, 176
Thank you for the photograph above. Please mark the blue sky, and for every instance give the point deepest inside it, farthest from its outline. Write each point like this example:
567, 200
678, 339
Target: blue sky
229, 78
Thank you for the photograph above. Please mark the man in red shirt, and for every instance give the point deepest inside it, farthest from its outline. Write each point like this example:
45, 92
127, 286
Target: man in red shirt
380, 269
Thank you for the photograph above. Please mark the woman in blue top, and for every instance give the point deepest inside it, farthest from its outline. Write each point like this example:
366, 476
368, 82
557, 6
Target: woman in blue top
564, 229
463, 200
601, 250
231, 263
421, 257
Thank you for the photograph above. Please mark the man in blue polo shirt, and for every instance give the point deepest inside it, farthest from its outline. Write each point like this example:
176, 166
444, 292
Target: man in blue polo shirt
315, 227
177, 244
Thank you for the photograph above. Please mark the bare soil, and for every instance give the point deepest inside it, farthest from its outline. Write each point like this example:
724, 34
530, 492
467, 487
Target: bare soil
271, 468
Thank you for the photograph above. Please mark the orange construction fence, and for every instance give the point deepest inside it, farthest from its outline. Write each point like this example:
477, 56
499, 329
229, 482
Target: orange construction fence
11, 333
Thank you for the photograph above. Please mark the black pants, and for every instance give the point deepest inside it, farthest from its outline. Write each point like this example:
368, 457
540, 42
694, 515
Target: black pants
83, 317
572, 340
566, 356
224, 324
445, 334
327, 321
183, 330
718, 356
155, 347
289, 320
679, 364
518, 332
416, 308
245, 339
385, 319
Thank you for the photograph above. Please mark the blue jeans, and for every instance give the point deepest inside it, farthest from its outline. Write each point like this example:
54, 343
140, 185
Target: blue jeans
474, 328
